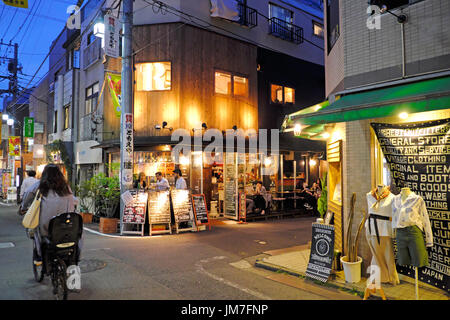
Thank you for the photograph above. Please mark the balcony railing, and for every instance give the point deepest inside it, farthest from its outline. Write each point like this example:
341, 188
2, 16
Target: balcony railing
247, 16
285, 30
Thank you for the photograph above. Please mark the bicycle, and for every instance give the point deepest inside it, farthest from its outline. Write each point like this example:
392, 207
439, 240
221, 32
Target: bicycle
59, 250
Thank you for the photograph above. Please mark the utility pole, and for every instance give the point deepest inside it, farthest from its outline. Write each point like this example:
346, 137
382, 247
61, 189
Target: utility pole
126, 116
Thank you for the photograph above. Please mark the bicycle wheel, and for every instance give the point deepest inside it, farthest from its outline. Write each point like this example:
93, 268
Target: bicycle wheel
38, 270
60, 280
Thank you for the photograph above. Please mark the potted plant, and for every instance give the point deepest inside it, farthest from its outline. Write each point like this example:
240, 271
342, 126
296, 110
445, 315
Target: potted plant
84, 192
351, 261
106, 192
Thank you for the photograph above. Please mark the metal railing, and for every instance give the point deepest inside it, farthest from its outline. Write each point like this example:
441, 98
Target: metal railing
247, 16
285, 30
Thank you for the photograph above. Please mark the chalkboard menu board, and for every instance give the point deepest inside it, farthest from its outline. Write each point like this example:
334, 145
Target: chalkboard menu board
182, 207
200, 209
134, 213
159, 207
322, 252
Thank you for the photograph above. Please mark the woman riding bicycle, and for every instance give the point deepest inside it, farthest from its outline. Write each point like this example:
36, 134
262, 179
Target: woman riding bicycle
57, 198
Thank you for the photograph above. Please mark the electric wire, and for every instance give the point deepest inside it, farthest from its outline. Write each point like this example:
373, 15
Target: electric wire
25, 21
46, 57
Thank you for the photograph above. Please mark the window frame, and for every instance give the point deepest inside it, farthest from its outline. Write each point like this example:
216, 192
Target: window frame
66, 117
283, 87
314, 23
55, 121
277, 5
91, 96
232, 75
158, 61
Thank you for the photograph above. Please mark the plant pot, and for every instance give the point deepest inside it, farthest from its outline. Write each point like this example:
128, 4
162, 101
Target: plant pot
352, 270
87, 217
108, 225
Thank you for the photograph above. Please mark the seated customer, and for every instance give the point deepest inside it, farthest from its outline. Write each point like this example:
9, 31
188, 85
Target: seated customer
260, 198
310, 201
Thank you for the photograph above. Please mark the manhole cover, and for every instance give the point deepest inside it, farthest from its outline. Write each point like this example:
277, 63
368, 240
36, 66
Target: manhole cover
91, 265
6, 245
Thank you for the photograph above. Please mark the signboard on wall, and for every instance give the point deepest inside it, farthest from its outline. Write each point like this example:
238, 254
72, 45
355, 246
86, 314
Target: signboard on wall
418, 156
112, 28
322, 252
127, 143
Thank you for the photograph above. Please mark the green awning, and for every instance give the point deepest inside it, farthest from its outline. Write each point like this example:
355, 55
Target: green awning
413, 97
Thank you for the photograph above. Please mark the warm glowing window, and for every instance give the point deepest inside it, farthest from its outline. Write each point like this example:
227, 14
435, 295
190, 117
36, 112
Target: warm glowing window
289, 95
66, 116
240, 86
223, 83
277, 94
281, 95
317, 29
153, 76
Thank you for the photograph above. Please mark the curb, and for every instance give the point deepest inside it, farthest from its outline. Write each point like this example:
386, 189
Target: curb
278, 269
118, 236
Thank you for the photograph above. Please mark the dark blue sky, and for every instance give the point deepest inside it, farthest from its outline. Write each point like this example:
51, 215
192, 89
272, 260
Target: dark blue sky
33, 29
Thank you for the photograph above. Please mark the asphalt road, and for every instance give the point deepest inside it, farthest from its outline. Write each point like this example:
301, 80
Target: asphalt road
209, 265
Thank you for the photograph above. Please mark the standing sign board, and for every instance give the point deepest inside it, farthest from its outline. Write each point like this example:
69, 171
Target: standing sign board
200, 210
322, 252
28, 129
159, 217
134, 212
418, 156
182, 210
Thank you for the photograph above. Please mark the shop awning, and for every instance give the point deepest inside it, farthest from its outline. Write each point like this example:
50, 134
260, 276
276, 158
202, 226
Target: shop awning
414, 97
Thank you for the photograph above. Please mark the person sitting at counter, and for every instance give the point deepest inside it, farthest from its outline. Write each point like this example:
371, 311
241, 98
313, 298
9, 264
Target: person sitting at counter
259, 200
180, 183
140, 183
161, 184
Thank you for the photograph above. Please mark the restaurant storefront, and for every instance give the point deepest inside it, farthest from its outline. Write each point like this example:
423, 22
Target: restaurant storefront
395, 136
229, 174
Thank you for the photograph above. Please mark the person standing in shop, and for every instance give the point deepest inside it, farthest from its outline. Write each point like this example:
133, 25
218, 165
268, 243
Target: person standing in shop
180, 183
161, 184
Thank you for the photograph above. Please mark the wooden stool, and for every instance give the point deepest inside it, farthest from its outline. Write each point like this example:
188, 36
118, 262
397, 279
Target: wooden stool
369, 291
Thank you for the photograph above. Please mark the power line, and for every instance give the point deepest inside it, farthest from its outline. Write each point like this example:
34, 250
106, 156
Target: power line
24, 22
7, 28
46, 57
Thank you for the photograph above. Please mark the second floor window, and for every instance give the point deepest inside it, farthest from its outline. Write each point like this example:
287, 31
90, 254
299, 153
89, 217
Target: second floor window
90, 38
333, 24
153, 76
282, 95
91, 98
228, 84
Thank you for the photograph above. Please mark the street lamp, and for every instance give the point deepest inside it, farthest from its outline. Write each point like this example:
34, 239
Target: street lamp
5, 117
401, 18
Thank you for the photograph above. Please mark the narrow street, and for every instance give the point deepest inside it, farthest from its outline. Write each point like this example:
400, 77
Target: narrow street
210, 265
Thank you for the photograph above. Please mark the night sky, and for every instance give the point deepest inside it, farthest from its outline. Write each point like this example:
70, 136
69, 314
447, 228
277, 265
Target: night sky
33, 29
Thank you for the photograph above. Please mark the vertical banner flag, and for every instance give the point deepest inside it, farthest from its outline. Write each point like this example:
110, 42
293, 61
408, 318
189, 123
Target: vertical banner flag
28, 129
127, 141
112, 28
14, 146
322, 252
17, 3
418, 156
114, 83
